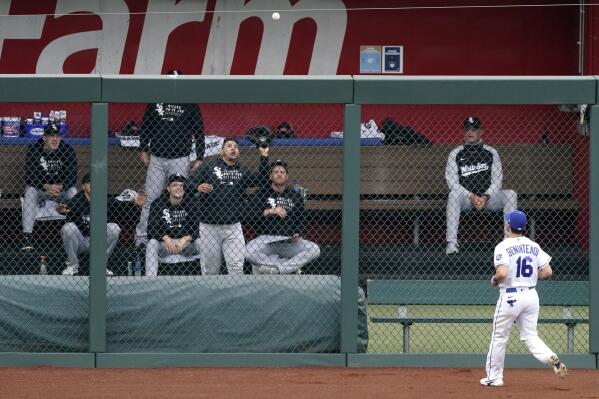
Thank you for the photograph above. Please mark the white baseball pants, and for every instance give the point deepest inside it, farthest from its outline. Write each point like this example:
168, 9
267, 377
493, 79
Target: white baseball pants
159, 169
457, 202
76, 243
522, 307
157, 249
31, 200
287, 257
217, 240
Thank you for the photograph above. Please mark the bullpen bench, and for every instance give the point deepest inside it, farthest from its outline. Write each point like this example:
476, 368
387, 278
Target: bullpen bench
125, 170
392, 177
469, 292
411, 178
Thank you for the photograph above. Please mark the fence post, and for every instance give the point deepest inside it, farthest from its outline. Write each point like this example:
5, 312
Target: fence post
97, 253
594, 232
350, 228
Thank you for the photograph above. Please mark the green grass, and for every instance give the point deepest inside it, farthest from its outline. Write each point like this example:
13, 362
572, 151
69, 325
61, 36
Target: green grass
464, 338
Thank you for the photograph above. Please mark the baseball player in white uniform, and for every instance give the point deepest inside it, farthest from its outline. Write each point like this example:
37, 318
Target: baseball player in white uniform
519, 262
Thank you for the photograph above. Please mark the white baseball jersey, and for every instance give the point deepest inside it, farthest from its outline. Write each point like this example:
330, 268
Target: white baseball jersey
524, 258
518, 303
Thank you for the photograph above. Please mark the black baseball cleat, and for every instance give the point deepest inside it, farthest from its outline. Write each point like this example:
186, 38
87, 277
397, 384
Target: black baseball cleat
27, 243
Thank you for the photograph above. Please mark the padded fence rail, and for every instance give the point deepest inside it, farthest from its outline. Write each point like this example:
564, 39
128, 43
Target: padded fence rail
143, 316
226, 221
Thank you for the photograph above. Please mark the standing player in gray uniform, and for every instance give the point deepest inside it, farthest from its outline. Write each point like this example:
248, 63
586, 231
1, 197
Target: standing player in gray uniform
166, 143
75, 233
519, 262
222, 184
172, 226
50, 174
474, 177
280, 216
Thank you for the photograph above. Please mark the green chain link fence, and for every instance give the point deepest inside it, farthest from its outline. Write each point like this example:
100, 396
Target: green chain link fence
533, 158
246, 254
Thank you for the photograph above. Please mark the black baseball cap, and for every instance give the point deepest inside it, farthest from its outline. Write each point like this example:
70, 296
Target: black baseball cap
279, 162
227, 139
86, 179
177, 177
51, 130
472, 122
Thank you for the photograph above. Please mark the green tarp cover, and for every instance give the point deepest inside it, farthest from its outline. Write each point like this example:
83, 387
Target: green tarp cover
215, 314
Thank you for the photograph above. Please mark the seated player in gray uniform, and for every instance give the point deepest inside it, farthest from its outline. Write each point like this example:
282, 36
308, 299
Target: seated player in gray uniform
75, 232
50, 174
474, 177
172, 225
279, 214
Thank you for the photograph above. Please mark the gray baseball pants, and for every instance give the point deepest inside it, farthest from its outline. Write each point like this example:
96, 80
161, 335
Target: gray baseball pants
457, 202
157, 249
32, 198
76, 243
287, 257
217, 240
159, 169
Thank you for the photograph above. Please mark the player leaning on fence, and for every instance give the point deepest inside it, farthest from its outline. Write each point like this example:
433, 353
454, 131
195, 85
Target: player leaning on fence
279, 215
166, 143
519, 262
222, 184
172, 225
50, 174
474, 176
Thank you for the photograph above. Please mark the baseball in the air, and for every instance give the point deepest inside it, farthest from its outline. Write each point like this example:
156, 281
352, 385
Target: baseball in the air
276, 16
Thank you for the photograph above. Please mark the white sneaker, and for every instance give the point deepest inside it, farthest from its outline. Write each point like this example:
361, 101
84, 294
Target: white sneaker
109, 272
70, 270
268, 270
498, 382
558, 367
452, 248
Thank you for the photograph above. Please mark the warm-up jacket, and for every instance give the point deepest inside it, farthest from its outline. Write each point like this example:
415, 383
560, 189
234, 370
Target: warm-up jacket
167, 130
290, 200
176, 221
55, 167
474, 169
226, 204
80, 211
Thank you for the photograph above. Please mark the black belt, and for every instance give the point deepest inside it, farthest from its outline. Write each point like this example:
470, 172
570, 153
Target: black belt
515, 289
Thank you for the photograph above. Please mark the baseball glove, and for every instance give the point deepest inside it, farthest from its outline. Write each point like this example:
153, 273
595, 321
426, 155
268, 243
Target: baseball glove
260, 136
